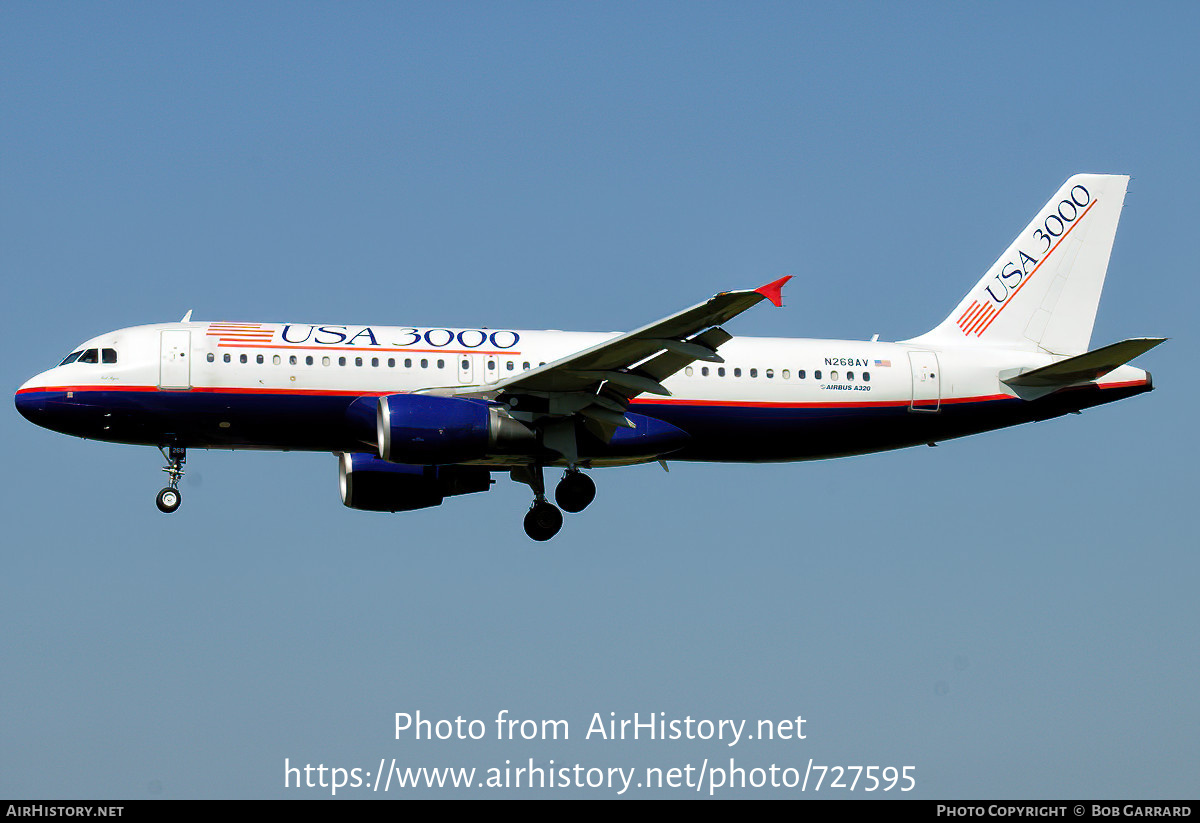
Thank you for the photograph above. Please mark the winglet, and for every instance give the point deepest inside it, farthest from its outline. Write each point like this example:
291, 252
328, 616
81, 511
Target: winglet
774, 291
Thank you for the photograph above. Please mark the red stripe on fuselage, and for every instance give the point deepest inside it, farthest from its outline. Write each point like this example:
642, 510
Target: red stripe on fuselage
768, 404
671, 401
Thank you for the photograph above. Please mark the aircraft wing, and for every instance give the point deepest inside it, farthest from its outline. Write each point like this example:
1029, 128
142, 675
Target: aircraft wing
599, 381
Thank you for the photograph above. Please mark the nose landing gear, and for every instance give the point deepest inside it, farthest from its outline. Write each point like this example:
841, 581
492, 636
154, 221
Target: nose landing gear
169, 498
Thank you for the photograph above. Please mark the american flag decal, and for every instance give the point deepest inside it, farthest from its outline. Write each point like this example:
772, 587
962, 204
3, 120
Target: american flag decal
240, 334
883, 364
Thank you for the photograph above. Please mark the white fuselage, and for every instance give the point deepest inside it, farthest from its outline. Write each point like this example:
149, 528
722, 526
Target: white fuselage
797, 382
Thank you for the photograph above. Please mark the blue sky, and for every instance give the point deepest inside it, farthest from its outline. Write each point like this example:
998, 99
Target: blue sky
1014, 614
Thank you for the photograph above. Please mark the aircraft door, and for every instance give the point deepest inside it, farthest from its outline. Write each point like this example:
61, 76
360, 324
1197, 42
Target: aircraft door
926, 382
491, 368
466, 370
174, 366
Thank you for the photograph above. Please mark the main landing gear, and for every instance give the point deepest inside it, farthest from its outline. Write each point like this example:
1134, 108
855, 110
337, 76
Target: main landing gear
543, 520
573, 493
168, 499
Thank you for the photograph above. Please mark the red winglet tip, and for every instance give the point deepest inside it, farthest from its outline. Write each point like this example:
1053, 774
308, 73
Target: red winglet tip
774, 291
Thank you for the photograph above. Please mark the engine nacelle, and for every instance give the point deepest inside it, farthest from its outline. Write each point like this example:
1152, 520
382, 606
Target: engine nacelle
426, 429
375, 485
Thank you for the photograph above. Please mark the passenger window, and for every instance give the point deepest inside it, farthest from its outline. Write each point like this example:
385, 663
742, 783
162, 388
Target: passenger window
424, 364
108, 355
509, 365
688, 371
721, 371
800, 374
441, 364
466, 364
737, 372
408, 362
849, 375
226, 357
832, 375
308, 361
770, 373
817, 374
341, 361
243, 358
375, 362
491, 365
391, 362
704, 371
89, 356
277, 360
787, 374
211, 357
292, 360
324, 361
525, 366
866, 377
259, 359
358, 361
754, 372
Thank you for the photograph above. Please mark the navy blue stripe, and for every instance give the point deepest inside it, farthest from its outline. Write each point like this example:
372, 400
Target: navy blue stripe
718, 433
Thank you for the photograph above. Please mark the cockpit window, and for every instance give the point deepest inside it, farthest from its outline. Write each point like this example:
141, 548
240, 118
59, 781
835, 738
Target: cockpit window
108, 355
90, 356
71, 358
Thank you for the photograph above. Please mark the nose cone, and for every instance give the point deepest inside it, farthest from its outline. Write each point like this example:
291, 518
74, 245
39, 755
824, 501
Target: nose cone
30, 402
33, 400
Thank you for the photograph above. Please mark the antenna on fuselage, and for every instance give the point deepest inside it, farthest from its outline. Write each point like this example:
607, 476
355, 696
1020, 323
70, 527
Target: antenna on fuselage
187, 317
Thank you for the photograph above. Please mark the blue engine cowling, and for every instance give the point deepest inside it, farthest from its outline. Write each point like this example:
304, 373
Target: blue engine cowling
375, 485
426, 429
422, 429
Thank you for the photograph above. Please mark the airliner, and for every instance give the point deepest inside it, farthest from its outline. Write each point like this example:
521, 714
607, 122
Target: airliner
415, 415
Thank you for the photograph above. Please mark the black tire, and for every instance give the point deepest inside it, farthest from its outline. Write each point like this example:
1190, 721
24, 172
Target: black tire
575, 492
168, 500
543, 521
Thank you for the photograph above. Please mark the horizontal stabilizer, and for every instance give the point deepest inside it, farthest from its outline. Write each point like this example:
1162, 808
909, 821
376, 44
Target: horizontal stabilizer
1074, 371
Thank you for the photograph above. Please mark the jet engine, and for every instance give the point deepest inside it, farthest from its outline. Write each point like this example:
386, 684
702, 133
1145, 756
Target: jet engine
375, 485
426, 429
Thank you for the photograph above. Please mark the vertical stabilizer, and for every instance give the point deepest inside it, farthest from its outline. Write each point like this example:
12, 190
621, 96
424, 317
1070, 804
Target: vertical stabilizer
1042, 294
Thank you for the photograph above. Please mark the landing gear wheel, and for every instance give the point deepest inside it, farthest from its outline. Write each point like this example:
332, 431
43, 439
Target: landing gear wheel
575, 491
543, 521
168, 500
